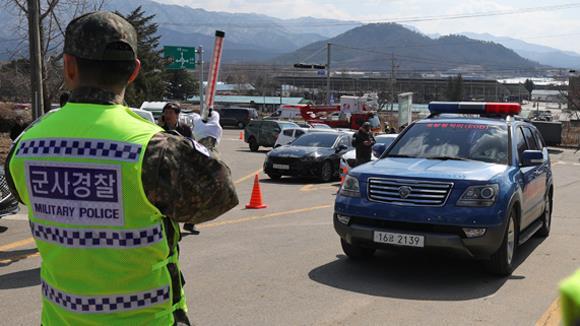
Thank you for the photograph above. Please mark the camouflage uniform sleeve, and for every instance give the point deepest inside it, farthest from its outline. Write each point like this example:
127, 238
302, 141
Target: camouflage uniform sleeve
185, 181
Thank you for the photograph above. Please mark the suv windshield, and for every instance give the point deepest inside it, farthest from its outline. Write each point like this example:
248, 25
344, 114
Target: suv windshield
454, 141
316, 140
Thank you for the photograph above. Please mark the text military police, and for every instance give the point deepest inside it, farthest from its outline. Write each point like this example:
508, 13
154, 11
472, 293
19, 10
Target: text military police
105, 189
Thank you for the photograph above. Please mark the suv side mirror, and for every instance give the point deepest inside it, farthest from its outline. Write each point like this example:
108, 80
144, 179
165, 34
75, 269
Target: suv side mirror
379, 149
341, 148
532, 158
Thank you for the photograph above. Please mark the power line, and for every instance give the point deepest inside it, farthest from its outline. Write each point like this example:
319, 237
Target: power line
313, 54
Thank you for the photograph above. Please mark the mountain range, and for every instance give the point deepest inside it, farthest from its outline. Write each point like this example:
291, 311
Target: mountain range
256, 38
249, 37
543, 54
375, 46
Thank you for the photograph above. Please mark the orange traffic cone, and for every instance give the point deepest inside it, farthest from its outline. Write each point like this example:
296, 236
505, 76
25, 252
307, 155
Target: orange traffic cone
241, 135
256, 199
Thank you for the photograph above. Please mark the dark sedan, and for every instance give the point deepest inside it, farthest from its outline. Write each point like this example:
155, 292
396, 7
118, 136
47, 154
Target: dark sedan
311, 155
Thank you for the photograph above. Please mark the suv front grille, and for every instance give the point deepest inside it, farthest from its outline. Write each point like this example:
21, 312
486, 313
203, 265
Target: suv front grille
408, 192
284, 160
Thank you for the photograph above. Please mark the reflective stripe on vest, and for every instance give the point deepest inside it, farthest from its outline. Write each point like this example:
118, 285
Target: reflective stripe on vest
103, 244
98, 238
105, 304
86, 148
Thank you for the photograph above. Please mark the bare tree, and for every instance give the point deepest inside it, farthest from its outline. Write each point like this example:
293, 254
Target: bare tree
573, 99
54, 16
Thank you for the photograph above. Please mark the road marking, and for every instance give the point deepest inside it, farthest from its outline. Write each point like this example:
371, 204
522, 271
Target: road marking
552, 316
312, 187
242, 179
565, 163
12, 259
24, 242
260, 217
17, 244
16, 217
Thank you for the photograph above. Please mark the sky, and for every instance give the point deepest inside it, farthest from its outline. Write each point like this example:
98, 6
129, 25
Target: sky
555, 28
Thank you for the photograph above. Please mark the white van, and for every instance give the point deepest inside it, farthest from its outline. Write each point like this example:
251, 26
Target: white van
156, 108
144, 114
290, 112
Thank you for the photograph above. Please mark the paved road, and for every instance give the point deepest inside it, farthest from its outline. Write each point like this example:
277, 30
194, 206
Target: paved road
283, 265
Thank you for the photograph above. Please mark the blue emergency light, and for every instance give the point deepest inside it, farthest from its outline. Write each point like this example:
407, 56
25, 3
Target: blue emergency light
475, 108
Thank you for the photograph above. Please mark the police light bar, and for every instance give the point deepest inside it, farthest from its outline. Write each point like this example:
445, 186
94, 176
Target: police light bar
475, 108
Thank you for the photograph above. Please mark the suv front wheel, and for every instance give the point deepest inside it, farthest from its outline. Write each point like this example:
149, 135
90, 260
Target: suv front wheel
544, 231
501, 262
253, 145
327, 172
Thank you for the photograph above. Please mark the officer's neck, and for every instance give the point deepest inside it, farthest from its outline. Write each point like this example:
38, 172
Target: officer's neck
97, 95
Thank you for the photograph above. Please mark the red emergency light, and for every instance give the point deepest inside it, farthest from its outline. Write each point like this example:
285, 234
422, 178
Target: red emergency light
503, 108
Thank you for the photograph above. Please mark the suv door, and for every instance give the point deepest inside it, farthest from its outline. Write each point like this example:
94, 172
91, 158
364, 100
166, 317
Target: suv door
253, 131
286, 137
542, 170
344, 140
269, 133
534, 179
298, 133
242, 117
226, 117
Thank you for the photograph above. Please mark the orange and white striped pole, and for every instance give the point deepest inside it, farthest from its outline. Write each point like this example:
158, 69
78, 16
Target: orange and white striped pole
213, 74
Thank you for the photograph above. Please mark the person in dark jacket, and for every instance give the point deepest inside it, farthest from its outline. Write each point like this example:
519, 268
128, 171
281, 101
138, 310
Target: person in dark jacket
170, 122
363, 142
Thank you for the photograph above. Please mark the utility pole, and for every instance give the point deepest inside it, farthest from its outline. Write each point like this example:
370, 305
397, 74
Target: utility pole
392, 80
35, 58
201, 104
328, 73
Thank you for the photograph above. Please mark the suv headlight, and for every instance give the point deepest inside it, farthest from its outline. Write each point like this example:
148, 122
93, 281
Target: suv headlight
350, 187
479, 196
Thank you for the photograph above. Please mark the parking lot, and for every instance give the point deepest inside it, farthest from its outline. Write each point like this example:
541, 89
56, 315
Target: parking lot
283, 265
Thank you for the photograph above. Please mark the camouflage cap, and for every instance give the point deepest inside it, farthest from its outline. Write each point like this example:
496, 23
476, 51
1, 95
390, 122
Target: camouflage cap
101, 36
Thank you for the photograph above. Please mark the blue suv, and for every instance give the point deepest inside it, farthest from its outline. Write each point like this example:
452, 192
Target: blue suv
472, 178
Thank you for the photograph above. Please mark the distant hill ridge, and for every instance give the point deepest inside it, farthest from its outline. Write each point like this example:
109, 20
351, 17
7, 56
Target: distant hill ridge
372, 46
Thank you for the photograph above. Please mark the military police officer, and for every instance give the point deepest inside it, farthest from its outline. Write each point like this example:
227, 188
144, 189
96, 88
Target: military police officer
105, 189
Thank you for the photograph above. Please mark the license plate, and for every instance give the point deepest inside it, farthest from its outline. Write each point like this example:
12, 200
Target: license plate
281, 166
399, 239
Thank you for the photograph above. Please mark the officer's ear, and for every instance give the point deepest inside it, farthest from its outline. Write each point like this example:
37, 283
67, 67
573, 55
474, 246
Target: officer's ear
135, 72
71, 71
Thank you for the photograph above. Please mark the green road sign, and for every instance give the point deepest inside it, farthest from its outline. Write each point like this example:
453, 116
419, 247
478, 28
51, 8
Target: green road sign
180, 57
